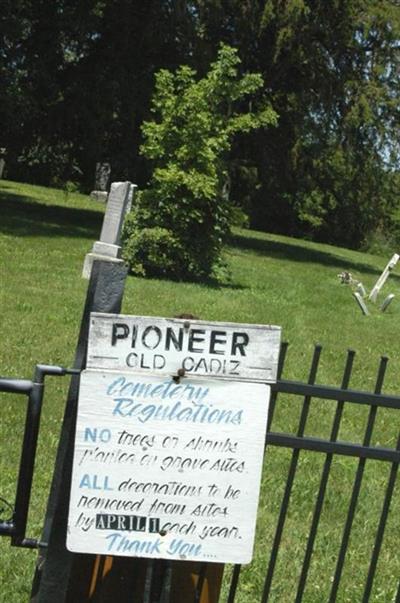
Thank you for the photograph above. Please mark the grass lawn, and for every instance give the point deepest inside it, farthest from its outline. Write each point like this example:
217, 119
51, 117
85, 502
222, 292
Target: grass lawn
44, 235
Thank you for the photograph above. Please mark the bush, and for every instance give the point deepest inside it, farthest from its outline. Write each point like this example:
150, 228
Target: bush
156, 247
181, 221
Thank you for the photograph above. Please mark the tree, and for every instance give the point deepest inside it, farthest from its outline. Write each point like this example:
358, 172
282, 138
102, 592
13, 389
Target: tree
341, 106
330, 70
78, 77
180, 222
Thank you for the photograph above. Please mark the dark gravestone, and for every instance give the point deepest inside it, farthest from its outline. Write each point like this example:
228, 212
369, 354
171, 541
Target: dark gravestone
102, 178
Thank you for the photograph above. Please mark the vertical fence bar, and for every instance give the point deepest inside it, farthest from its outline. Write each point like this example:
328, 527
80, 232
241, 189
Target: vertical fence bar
398, 594
290, 479
166, 589
274, 394
324, 481
200, 583
272, 403
160, 584
27, 462
381, 528
148, 581
234, 583
357, 486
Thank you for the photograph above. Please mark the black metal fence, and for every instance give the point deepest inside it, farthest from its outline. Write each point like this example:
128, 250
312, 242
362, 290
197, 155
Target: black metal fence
259, 583
329, 448
15, 524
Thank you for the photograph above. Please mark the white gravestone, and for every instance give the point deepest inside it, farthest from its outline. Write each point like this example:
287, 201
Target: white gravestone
118, 205
361, 303
387, 301
383, 277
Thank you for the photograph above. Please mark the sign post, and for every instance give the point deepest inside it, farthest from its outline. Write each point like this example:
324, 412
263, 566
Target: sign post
54, 576
170, 438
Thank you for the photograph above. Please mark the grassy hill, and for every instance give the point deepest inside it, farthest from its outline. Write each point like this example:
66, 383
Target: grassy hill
44, 236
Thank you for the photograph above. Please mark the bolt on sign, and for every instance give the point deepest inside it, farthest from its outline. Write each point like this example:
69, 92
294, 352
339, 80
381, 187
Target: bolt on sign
164, 466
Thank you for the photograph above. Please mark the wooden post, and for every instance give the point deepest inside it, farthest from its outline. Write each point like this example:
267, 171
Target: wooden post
183, 574
53, 569
73, 578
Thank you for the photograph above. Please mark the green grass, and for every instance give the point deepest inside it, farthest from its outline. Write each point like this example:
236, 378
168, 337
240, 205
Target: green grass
44, 235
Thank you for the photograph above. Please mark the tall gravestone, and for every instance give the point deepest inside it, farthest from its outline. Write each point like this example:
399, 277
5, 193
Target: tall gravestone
102, 178
108, 247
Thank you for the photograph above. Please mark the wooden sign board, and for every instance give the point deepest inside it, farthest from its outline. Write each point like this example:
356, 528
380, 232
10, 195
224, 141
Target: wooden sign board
163, 345
164, 469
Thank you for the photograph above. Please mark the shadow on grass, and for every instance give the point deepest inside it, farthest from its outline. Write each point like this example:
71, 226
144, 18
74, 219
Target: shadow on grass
209, 283
22, 216
298, 252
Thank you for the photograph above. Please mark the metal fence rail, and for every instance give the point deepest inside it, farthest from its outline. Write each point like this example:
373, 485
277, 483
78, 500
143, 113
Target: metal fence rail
15, 526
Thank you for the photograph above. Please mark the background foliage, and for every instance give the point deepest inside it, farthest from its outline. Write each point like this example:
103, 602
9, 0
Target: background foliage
78, 79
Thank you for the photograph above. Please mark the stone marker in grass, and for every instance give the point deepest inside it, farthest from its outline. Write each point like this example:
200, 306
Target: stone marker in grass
383, 277
387, 302
102, 177
108, 247
361, 303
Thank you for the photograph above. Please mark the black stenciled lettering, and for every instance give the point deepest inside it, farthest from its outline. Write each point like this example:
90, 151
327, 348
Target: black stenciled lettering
132, 359
146, 337
217, 338
188, 363
234, 364
239, 342
171, 337
196, 336
134, 336
120, 330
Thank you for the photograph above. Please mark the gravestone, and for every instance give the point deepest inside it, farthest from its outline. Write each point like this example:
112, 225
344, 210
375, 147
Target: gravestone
102, 177
108, 247
361, 290
387, 302
2, 161
361, 303
383, 277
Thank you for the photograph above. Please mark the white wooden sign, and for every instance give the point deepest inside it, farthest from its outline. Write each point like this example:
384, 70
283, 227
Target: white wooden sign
162, 345
164, 469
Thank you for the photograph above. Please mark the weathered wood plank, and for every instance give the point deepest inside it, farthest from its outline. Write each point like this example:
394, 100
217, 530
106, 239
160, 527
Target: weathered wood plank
164, 345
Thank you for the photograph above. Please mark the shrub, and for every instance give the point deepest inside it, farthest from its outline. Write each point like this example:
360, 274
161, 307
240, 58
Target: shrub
180, 222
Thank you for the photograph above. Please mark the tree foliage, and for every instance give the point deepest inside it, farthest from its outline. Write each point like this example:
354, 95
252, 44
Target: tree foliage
330, 70
78, 78
181, 221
